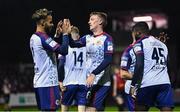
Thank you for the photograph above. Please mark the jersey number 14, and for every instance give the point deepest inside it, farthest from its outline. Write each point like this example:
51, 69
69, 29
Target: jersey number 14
78, 58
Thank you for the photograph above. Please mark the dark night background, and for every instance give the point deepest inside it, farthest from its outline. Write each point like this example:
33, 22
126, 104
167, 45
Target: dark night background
17, 26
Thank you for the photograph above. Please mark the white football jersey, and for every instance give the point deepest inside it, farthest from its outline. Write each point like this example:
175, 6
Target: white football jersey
75, 66
155, 61
128, 59
96, 47
45, 66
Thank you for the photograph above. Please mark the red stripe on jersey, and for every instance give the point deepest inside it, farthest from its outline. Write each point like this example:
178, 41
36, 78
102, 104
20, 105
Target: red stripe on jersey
43, 34
52, 98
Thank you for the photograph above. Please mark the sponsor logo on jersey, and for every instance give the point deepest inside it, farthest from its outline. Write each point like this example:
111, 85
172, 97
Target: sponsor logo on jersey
57, 102
52, 43
123, 63
48, 40
137, 49
109, 46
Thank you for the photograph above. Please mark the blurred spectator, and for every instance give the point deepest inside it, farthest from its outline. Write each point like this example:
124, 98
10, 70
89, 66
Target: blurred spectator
6, 88
118, 89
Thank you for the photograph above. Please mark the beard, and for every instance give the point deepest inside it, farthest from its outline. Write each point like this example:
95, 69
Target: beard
48, 29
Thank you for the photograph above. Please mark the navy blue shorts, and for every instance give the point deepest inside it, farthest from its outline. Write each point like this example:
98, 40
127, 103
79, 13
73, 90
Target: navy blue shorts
74, 92
158, 95
98, 95
48, 98
129, 101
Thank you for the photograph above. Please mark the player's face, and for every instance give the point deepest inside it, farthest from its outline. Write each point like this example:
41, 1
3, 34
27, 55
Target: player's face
135, 35
48, 24
75, 36
94, 22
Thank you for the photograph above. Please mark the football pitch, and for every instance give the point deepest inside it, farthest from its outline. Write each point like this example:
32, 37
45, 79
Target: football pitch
73, 108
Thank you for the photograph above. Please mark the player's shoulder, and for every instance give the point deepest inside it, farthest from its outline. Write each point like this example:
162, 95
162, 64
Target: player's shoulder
107, 35
158, 41
34, 37
86, 36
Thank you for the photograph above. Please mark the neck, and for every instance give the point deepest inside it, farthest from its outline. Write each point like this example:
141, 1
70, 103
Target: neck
40, 29
97, 32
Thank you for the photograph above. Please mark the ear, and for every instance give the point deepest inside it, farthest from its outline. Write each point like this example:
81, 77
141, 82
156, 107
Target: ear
100, 22
138, 34
42, 23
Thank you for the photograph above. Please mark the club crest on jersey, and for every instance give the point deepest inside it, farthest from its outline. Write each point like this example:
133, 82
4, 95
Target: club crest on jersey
99, 42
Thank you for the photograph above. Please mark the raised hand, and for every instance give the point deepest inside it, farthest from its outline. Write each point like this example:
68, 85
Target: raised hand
66, 26
58, 29
163, 37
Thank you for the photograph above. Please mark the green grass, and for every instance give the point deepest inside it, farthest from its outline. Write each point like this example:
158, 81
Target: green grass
73, 108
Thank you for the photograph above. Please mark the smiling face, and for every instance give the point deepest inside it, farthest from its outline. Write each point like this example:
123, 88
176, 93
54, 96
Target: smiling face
43, 19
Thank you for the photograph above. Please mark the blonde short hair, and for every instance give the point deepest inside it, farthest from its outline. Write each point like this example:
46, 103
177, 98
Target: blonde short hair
75, 29
102, 15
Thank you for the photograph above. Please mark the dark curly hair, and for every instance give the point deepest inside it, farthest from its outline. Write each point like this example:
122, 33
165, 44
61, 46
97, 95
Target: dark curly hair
41, 14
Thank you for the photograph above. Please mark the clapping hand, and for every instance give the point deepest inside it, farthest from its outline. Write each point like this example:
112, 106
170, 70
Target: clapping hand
58, 29
163, 37
66, 26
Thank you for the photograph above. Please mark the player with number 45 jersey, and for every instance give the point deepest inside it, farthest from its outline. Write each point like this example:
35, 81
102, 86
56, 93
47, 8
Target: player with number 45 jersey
150, 83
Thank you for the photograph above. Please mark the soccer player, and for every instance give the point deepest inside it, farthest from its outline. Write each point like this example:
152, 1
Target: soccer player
99, 48
126, 71
43, 49
150, 84
74, 83
118, 89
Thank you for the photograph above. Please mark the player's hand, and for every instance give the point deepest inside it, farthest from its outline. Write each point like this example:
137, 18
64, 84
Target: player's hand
163, 37
62, 87
58, 29
114, 94
133, 91
66, 26
90, 80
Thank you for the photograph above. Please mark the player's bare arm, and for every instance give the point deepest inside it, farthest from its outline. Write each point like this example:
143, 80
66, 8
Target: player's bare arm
125, 74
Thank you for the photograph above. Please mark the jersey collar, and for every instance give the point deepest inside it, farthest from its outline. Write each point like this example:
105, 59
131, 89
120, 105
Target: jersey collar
99, 34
